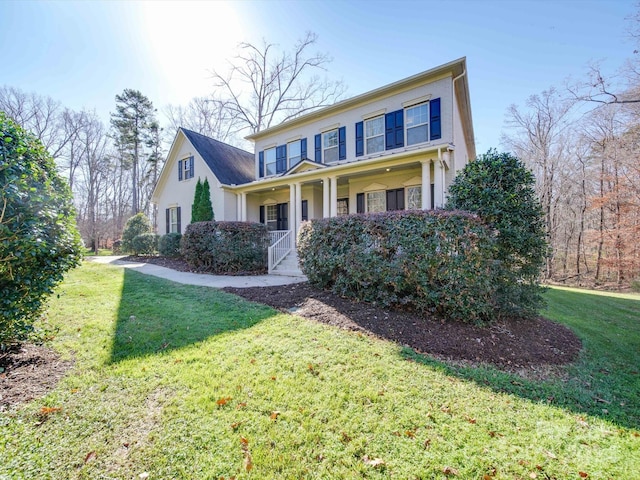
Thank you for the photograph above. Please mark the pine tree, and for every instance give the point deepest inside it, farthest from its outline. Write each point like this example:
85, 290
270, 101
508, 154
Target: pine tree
205, 207
195, 207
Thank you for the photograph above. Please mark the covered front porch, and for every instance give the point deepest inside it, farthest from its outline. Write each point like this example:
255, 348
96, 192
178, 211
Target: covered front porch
317, 191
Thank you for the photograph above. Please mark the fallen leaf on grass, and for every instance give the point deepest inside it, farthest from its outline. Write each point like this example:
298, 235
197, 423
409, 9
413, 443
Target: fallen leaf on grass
550, 454
241, 405
450, 471
234, 426
583, 474
533, 475
221, 402
373, 462
274, 415
273, 378
248, 462
49, 410
89, 457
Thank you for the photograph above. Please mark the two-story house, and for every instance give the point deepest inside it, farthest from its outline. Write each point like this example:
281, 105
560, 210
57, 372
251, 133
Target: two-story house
396, 147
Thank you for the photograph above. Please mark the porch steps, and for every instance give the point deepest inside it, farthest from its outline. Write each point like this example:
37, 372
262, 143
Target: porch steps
289, 266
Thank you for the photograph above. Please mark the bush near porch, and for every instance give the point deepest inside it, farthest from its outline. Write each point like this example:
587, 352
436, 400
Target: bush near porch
439, 262
226, 247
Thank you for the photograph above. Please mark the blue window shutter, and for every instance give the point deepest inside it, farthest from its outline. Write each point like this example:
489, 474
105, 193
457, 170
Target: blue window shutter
281, 158
168, 214
180, 170
342, 143
394, 129
261, 213
399, 123
303, 148
360, 203
359, 139
318, 144
261, 164
179, 220
434, 109
191, 162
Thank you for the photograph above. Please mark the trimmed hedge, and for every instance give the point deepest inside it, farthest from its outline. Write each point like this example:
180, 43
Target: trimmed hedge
226, 247
437, 262
145, 244
169, 244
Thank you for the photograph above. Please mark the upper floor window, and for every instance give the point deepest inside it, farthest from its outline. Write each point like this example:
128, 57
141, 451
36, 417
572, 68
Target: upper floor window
374, 134
417, 123
270, 161
185, 168
294, 150
330, 146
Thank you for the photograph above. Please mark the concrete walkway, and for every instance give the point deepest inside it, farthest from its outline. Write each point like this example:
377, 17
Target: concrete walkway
201, 279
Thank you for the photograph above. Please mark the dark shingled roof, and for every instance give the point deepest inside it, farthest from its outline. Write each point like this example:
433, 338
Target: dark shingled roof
229, 164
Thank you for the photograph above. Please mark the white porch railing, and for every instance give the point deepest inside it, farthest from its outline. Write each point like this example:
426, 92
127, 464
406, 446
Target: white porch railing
280, 246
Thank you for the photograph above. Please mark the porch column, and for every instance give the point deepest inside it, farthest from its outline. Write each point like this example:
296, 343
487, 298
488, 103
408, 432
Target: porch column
426, 185
238, 206
438, 184
243, 207
325, 197
292, 208
334, 196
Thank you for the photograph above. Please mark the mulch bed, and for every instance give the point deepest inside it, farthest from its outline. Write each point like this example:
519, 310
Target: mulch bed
29, 372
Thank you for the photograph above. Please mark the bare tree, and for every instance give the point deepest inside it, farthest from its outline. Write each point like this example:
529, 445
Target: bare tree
539, 138
205, 115
264, 87
40, 115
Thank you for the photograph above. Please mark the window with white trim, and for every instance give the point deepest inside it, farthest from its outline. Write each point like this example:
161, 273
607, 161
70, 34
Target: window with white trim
414, 198
270, 161
417, 123
173, 220
374, 134
272, 217
187, 168
330, 146
294, 152
343, 206
376, 201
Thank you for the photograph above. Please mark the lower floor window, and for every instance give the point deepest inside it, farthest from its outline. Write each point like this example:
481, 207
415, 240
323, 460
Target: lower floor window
343, 206
272, 217
376, 202
173, 220
414, 198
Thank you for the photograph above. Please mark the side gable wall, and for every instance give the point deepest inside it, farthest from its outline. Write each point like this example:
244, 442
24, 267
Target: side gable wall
172, 192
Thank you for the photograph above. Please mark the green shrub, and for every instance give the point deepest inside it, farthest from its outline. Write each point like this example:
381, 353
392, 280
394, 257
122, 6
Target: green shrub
39, 241
169, 244
136, 225
145, 244
437, 262
202, 210
499, 188
226, 247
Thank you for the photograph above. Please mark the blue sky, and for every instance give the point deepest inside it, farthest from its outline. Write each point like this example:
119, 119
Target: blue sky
84, 53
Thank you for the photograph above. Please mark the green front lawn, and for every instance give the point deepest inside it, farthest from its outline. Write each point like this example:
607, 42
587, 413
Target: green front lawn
187, 382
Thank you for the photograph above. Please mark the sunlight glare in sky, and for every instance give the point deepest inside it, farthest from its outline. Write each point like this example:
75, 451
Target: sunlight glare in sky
177, 34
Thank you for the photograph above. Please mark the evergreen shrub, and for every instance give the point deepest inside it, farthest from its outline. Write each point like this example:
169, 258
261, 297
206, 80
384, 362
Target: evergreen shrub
169, 244
39, 240
438, 262
145, 244
226, 247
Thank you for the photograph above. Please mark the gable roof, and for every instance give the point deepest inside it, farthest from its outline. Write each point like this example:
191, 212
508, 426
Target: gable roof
304, 163
229, 164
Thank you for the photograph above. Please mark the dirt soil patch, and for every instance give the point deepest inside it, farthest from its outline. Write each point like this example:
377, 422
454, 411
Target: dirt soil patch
29, 372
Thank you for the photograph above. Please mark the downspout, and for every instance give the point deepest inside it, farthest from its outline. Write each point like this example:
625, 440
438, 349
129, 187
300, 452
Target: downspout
453, 132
